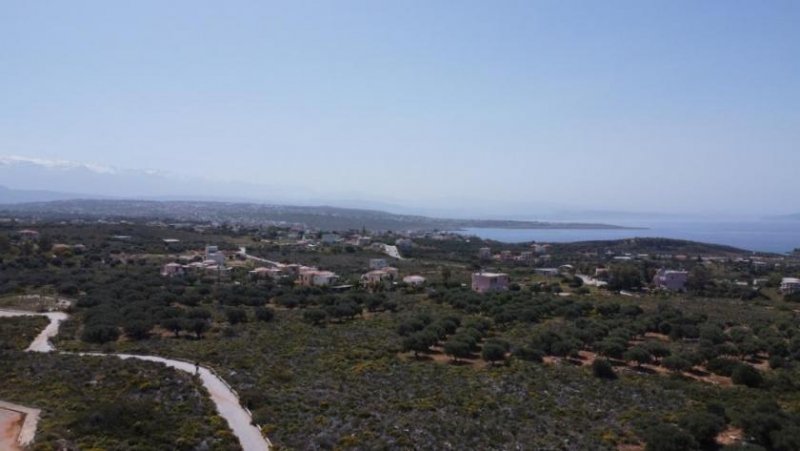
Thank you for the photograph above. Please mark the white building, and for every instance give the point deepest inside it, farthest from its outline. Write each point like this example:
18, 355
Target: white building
414, 281
790, 285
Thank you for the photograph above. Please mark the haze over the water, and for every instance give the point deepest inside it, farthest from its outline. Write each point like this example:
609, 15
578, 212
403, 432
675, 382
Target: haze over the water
662, 106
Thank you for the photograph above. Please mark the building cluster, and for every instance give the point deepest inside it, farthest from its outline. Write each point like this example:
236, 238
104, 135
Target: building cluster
485, 254
309, 276
213, 264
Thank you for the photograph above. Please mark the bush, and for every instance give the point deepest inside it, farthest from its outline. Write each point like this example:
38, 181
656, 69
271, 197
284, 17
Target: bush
703, 426
236, 315
676, 363
529, 354
100, 334
314, 316
746, 375
493, 352
602, 368
457, 349
264, 314
667, 437
722, 366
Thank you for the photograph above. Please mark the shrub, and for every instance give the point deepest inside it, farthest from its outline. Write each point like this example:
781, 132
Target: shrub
602, 368
703, 426
529, 354
100, 334
314, 316
457, 349
746, 375
493, 352
236, 315
667, 437
264, 314
676, 363
722, 366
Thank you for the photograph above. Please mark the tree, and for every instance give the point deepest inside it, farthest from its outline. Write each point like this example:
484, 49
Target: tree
314, 316
419, 342
264, 314
199, 326
703, 426
624, 277
137, 329
676, 363
174, 325
236, 315
446, 274
493, 352
657, 349
667, 437
639, 355
602, 368
5, 244
102, 333
611, 348
745, 374
457, 349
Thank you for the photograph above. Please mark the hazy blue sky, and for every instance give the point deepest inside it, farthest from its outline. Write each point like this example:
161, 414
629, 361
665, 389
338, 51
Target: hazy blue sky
635, 105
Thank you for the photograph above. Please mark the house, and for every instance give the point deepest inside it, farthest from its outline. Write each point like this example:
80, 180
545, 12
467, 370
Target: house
790, 285
377, 263
330, 238
218, 258
213, 254
312, 277
525, 256
548, 272
61, 248
265, 273
506, 256
540, 248
379, 275
414, 281
484, 282
485, 253
670, 279
172, 270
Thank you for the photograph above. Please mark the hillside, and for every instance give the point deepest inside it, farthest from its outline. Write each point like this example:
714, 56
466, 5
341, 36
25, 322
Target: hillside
651, 246
322, 217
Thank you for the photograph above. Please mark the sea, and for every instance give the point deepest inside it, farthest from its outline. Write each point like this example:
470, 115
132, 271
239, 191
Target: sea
777, 236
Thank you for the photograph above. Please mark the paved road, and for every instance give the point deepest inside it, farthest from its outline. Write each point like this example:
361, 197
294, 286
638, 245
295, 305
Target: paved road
226, 401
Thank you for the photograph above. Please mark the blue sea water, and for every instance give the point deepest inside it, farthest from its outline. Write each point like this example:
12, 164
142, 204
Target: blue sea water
766, 236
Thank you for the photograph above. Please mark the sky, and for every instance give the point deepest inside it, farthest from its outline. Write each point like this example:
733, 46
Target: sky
658, 106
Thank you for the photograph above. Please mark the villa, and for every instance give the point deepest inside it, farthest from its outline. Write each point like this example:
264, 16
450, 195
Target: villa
484, 282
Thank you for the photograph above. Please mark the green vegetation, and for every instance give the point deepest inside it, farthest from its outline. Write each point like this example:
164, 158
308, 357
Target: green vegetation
401, 367
99, 403
16, 333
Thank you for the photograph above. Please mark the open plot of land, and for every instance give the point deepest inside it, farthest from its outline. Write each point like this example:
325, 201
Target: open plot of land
10, 427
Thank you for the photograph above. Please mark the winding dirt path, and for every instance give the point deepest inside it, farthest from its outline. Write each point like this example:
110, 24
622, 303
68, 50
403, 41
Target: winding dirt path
239, 419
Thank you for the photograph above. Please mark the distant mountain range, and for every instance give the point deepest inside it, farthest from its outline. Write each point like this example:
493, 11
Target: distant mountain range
322, 217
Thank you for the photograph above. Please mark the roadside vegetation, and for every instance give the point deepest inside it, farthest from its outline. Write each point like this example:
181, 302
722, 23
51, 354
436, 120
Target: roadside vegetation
99, 403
